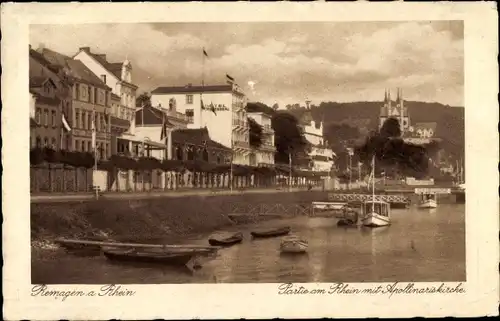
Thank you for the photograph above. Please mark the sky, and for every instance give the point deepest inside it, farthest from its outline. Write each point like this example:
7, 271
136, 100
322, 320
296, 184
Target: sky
286, 62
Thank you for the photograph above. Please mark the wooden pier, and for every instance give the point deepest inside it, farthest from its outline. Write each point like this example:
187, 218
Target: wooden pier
359, 198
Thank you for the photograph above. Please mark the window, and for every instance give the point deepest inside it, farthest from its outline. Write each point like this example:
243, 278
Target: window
38, 115
46, 117
98, 122
89, 94
53, 118
84, 120
53, 143
38, 142
103, 78
205, 155
89, 146
45, 142
108, 152
190, 154
189, 99
190, 115
77, 118
82, 92
77, 145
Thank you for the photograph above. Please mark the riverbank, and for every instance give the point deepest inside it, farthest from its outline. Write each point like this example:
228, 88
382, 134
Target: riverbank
139, 219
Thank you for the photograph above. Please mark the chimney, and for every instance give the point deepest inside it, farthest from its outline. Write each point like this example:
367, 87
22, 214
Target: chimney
103, 78
86, 49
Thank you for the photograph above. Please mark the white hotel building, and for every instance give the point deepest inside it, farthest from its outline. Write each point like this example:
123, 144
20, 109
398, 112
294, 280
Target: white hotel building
321, 156
264, 155
223, 114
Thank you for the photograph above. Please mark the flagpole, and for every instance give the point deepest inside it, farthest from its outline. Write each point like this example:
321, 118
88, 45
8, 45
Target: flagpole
94, 145
142, 123
202, 85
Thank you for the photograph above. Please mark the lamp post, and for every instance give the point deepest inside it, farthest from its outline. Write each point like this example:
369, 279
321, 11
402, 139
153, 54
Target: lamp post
350, 152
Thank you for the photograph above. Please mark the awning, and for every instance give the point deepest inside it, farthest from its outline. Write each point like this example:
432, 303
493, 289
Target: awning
136, 139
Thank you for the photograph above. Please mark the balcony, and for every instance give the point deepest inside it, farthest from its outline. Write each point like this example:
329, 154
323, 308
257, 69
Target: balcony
240, 125
268, 147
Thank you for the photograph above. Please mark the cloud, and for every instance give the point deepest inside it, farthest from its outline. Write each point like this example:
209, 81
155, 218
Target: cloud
342, 61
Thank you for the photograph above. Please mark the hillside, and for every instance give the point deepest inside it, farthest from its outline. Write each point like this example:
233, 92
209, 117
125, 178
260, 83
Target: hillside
364, 116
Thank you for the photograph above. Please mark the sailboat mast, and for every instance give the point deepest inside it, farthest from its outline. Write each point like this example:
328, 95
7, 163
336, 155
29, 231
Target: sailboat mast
373, 181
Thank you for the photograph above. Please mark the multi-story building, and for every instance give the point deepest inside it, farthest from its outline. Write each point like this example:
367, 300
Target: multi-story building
219, 108
264, 155
90, 96
321, 157
117, 76
49, 100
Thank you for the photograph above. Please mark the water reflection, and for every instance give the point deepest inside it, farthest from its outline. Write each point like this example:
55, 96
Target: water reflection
418, 246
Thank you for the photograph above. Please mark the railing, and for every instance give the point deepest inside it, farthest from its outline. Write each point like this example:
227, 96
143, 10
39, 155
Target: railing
241, 144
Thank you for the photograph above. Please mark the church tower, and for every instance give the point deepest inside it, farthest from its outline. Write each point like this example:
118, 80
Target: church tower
398, 111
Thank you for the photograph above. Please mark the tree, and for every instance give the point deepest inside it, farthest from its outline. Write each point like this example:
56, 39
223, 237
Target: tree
255, 134
340, 136
289, 139
276, 106
143, 99
390, 128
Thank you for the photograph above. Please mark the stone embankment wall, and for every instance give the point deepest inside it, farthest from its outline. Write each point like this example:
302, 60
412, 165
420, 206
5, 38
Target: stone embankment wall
142, 219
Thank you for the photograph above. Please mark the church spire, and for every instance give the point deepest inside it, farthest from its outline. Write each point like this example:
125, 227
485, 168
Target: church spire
385, 95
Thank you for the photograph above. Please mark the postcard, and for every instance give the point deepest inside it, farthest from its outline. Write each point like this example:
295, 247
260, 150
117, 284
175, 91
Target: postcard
250, 160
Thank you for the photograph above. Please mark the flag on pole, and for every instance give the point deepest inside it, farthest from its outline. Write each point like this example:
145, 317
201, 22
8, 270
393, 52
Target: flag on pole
93, 131
229, 78
65, 123
205, 53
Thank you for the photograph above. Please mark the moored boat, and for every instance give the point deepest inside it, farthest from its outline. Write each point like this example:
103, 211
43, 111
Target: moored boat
144, 255
228, 241
428, 201
293, 245
375, 213
271, 232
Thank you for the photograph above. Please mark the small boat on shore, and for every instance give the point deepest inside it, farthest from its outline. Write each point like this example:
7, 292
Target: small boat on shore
271, 232
86, 246
293, 245
228, 241
144, 255
428, 201
375, 213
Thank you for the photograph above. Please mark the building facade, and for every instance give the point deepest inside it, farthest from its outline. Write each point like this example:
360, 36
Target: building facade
219, 108
117, 76
321, 157
50, 100
90, 96
264, 155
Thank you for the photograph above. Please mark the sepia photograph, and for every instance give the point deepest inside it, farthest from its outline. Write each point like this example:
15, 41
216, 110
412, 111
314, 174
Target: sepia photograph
247, 152
261, 157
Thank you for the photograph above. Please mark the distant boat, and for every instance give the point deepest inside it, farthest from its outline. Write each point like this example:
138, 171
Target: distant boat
428, 201
293, 245
271, 232
228, 241
375, 213
144, 255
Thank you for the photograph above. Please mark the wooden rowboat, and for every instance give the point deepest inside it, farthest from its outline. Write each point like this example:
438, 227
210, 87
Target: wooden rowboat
228, 241
148, 256
271, 232
293, 245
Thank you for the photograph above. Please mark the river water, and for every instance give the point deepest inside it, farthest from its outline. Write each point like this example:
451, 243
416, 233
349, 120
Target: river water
420, 246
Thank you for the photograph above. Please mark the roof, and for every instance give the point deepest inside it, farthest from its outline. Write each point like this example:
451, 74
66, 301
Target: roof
38, 81
152, 116
115, 96
196, 136
192, 89
113, 67
115, 121
75, 68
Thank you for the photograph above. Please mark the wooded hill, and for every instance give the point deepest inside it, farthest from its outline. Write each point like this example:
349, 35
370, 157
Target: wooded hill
343, 121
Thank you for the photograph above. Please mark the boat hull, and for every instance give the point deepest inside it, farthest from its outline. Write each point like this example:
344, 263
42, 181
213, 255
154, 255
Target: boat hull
294, 247
270, 233
428, 204
235, 239
375, 220
179, 259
